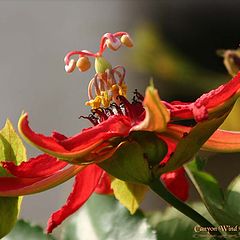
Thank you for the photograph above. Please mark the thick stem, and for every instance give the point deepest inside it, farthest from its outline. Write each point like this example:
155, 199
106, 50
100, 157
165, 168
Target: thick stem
158, 187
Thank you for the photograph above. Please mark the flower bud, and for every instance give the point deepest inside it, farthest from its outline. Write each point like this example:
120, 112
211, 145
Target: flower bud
127, 41
70, 66
101, 65
83, 64
114, 45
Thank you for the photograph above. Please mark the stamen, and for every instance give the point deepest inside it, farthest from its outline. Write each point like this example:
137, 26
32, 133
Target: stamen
108, 82
91, 118
127, 105
118, 109
100, 112
138, 95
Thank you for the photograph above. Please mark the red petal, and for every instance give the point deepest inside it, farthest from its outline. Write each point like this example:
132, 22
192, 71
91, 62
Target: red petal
223, 141
41, 166
222, 93
80, 144
220, 141
177, 183
104, 185
171, 144
58, 136
207, 102
15, 186
85, 184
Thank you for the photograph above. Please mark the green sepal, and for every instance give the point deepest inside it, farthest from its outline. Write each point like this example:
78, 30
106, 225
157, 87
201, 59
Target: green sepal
128, 194
128, 163
154, 149
189, 145
101, 65
11, 149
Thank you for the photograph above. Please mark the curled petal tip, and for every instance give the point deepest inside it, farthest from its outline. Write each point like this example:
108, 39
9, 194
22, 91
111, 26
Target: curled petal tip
114, 44
70, 66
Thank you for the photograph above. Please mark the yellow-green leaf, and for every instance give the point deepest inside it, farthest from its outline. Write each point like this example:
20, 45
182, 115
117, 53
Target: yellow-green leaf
11, 149
129, 195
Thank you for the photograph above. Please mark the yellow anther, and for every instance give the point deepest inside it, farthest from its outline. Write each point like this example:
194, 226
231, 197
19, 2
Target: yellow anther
94, 103
114, 45
126, 40
70, 66
115, 88
123, 89
106, 99
83, 64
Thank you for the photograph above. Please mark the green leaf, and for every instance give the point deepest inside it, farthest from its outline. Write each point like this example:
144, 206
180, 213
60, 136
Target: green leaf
232, 205
128, 194
222, 209
11, 146
128, 164
11, 149
172, 224
104, 218
25, 231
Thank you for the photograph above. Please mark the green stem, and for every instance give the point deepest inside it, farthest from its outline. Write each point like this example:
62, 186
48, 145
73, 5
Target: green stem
158, 187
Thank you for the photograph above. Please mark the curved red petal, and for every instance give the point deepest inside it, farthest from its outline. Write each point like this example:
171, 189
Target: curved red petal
41, 166
223, 141
80, 144
177, 183
207, 102
117, 125
58, 136
85, 184
222, 93
15, 186
171, 145
104, 185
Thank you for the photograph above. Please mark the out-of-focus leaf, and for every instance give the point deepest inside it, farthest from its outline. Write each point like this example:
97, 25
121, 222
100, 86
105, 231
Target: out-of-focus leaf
223, 209
155, 56
172, 224
232, 121
129, 195
233, 199
25, 231
104, 218
11, 149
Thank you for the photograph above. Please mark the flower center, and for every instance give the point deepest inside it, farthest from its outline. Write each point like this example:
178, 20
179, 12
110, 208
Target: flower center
108, 83
134, 110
